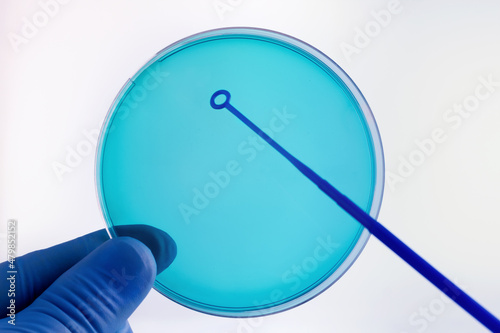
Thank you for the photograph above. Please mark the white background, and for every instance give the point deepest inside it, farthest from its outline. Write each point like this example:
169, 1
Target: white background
61, 81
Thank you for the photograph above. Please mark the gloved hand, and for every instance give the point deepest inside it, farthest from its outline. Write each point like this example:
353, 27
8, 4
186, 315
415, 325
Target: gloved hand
89, 284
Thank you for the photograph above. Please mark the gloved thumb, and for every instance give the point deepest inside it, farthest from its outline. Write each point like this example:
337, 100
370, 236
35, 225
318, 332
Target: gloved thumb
98, 294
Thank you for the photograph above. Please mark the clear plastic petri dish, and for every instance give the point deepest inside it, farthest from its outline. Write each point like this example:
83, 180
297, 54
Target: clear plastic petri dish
254, 236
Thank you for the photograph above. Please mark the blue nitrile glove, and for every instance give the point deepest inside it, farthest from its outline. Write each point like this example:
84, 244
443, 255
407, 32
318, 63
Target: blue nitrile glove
89, 284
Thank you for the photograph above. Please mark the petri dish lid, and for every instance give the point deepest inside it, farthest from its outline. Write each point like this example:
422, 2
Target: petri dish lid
253, 235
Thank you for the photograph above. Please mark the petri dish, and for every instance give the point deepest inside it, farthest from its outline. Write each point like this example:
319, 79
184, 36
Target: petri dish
254, 236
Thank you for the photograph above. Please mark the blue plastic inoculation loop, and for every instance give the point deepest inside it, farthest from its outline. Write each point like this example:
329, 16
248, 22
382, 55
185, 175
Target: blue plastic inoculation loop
379, 231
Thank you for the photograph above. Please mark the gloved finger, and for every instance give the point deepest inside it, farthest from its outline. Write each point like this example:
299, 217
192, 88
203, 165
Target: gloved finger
37, 270
159, 242
98, 294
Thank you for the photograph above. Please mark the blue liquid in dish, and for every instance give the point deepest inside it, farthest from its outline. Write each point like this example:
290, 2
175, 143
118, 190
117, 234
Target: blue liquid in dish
254, 236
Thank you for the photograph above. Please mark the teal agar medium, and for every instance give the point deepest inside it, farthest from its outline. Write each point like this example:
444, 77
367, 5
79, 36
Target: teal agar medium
253, 235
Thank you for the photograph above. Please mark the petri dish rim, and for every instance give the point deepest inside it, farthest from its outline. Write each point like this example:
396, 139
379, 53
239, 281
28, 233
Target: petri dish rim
327, 64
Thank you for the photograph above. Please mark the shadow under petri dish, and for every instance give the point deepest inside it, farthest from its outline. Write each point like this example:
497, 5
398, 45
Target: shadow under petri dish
254, 236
